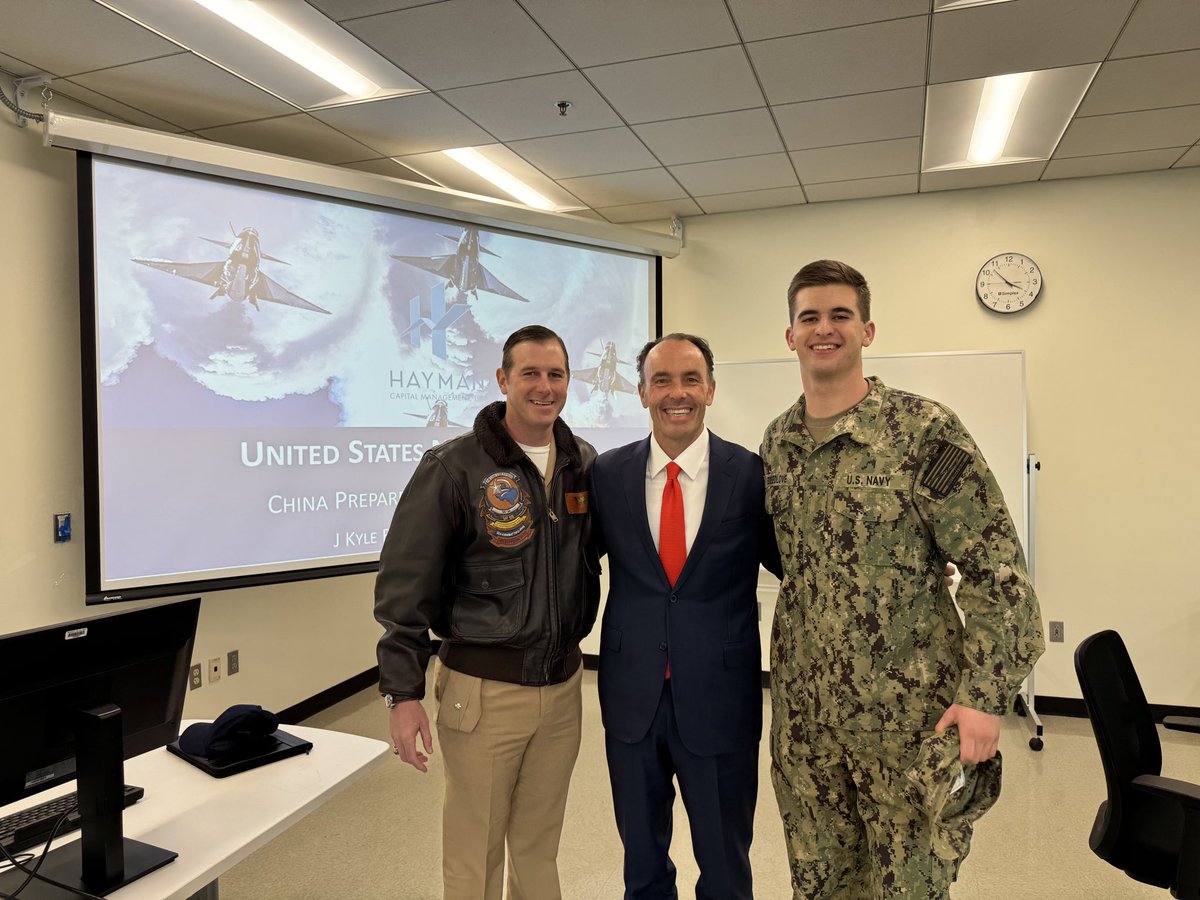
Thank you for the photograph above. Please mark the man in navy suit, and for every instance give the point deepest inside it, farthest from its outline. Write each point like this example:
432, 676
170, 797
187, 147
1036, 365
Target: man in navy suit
680, 666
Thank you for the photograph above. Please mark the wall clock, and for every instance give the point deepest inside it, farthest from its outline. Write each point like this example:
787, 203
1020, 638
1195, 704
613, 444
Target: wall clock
1009, 283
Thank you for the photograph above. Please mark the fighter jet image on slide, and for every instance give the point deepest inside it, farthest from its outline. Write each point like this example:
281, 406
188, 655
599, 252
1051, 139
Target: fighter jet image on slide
604, 376
462, 268
439, 416
238, 276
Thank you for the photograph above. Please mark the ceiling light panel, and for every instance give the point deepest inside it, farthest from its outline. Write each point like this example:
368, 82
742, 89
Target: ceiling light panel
941, 5
446, 171
959, 116
285, 47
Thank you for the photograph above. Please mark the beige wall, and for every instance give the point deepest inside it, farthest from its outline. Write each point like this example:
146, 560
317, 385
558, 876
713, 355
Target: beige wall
1111, 368
294, 640
1112, 412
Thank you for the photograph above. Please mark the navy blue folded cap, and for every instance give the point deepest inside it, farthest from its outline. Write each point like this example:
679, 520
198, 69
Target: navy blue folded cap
238, 728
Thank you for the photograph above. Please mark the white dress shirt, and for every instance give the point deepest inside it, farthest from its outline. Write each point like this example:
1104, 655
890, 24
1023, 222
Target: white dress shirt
693, 483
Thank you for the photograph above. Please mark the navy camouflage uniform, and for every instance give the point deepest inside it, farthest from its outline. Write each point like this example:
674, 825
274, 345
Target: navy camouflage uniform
868, 650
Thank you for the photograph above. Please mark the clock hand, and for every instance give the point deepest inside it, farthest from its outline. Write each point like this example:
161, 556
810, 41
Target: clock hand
1006, 281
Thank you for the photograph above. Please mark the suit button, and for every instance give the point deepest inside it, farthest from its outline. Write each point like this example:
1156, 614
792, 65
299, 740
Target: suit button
662, 646
674, 598
486, 584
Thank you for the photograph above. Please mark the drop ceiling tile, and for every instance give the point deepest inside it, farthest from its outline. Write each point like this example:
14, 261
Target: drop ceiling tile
624, 188
727, 176
1160, 26
982, 176
648, 212
186, 90
1147, 82
341, 10
1191, 158
852, 120
874, 160
106, 107
297, 135
15, 66
1112, 163
456, 43
857, 189
1022, 36
743, 200
593, 32
586, 153
685, 84
66, 37
856, 60
524, 108
759, 19
1152, 129
389, 168
747, 132
403, 126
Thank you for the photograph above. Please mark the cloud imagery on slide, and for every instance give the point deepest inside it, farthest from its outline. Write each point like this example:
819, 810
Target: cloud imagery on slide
235, 321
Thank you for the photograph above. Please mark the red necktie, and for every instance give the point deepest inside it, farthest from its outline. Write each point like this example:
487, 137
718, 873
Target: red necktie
672, 543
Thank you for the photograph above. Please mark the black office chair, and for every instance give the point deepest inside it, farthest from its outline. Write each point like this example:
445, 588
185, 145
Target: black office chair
1149, 826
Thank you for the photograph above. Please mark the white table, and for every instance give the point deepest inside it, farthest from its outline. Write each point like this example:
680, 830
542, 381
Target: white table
215, 823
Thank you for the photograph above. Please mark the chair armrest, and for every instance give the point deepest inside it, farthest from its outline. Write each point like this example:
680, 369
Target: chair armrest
1182, 723
1182, 792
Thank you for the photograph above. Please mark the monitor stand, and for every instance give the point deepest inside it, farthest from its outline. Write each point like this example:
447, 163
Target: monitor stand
102, 860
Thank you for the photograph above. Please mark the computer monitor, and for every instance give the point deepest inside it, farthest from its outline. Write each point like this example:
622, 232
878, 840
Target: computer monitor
76, 700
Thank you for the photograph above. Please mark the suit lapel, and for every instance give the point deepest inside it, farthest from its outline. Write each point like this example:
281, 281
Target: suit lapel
720, 489
633, 478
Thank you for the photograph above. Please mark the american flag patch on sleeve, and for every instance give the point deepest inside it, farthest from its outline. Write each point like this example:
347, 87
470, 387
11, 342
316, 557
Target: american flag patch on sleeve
946, 466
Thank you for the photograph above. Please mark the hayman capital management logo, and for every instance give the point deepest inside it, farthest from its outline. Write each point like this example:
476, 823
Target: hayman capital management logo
434, 325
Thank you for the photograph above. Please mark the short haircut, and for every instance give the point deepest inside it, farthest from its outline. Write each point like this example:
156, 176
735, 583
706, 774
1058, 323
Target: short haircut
538, 334
830, 271
699, 342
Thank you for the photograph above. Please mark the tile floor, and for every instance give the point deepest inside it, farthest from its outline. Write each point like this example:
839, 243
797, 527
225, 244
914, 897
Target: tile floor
381, 838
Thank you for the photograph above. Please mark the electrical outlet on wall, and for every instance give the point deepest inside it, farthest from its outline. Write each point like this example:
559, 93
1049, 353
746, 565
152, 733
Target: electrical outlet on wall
196, 677
233, 663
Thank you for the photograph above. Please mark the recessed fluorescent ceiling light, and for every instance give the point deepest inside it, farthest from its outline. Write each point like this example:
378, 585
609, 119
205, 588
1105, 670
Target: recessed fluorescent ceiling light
1000, 120
941, 5
317, 63
997, 111
282, 38
472, 159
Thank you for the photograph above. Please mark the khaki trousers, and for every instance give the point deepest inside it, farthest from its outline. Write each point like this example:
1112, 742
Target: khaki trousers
508, 752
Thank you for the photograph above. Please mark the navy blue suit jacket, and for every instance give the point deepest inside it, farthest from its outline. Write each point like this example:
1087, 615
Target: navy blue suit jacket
709, 620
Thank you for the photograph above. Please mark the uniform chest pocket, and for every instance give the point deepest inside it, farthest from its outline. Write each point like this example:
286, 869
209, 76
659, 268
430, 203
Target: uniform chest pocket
872, 528
782, 500
782, 492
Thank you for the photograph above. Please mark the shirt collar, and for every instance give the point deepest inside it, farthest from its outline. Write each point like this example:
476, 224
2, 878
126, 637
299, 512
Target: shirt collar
690, 460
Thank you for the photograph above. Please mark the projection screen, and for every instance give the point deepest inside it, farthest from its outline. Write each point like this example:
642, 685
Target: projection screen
264, 367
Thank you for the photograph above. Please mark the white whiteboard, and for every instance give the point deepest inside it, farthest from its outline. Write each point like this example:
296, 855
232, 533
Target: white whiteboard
985, 389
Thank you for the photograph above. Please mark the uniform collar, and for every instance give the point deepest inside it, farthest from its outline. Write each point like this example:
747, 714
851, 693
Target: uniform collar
861, 422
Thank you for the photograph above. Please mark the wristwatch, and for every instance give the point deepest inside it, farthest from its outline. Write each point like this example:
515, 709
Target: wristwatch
389, 701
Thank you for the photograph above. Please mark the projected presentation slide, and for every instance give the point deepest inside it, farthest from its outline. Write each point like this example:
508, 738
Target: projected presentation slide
271, 365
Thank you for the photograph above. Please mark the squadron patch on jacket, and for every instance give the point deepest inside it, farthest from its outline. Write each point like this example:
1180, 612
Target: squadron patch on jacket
946, 466
504, 508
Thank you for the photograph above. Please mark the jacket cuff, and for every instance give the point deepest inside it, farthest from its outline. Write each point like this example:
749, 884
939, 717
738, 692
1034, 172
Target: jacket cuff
989, 695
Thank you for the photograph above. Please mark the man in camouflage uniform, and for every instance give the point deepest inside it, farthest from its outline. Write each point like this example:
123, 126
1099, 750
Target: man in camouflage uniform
886, 704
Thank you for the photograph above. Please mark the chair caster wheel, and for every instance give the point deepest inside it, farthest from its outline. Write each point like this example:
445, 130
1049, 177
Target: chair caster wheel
1035, 744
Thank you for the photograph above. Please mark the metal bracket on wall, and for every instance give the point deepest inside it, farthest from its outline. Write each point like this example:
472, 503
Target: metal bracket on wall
22, 87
